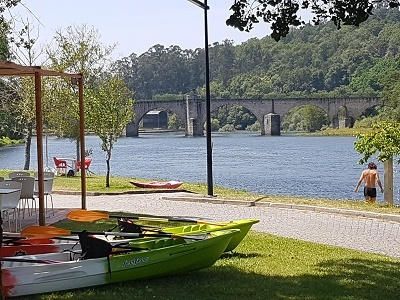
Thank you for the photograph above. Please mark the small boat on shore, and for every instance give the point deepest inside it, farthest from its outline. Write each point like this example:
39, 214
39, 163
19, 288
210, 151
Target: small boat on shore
97, 265
157, 184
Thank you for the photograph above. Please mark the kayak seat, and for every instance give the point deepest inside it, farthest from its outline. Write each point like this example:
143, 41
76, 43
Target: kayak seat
93, 247
128, 226
143, 244
190, 228
156, 243
167, 243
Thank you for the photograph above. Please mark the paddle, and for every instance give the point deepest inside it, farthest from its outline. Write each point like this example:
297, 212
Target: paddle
82, 215
51, 231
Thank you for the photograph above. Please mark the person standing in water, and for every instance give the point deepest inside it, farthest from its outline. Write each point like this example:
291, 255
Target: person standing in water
370, 177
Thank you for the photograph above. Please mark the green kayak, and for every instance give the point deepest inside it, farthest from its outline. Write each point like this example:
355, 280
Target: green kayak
206, 226
100, 263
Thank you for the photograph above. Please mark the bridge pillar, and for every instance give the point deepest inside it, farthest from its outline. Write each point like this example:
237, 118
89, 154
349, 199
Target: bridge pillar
193, 116
132, 130
193, 128
345, 122
272, 124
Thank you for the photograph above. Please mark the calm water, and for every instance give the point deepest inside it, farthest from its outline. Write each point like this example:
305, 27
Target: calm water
290, 165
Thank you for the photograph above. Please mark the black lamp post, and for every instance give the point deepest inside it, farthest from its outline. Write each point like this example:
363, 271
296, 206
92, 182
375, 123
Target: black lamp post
210, 187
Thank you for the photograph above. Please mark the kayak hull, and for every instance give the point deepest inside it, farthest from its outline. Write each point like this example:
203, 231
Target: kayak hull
157, 184
18, 250
158, 257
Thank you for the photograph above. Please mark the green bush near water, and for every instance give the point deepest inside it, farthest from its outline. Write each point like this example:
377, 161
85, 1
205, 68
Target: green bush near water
6, 141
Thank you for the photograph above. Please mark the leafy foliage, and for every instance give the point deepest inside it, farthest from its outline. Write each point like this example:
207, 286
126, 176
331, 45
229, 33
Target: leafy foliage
174, 122
383, 141
285, 13
77, 49
237, 116
5, 5
109, 111
305, 118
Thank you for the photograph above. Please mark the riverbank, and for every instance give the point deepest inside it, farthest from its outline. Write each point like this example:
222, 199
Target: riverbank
121, 185
96, 184
6, 141
330, 132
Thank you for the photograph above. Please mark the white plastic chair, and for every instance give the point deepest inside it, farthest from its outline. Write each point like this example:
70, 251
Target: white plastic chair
46, 174
9, 203
27, 193
18, 174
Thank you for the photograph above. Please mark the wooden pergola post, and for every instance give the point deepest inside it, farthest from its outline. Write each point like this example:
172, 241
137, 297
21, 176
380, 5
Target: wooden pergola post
82, 141
39, 146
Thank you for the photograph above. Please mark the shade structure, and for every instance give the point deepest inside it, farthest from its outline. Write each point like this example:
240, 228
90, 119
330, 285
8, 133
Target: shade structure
11, 69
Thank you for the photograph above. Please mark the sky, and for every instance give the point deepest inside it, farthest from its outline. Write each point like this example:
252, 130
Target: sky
136, 25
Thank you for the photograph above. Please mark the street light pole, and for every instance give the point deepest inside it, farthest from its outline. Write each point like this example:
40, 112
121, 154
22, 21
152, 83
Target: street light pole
210, 188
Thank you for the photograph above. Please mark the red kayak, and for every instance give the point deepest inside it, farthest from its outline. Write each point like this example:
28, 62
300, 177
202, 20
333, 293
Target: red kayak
158, 184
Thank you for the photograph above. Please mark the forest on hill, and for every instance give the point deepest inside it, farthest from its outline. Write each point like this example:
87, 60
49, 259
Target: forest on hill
312, 60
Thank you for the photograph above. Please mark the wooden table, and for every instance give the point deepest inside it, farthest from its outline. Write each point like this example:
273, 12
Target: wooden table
5, 194
6, 197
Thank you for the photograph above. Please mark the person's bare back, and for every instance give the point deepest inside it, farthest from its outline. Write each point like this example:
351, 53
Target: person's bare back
370, 178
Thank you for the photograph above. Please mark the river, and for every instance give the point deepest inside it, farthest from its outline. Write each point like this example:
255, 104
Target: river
323, 167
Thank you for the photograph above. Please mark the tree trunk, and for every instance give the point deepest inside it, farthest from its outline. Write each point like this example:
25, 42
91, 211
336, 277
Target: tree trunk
28, 143
388, 184
108, 158
108, 173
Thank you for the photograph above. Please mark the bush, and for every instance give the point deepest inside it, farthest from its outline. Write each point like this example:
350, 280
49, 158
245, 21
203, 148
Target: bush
215, 125
227, 128
254, 127
365, 122
5, 141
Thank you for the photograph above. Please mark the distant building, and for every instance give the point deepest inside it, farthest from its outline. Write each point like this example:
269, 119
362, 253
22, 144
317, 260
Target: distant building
155, 119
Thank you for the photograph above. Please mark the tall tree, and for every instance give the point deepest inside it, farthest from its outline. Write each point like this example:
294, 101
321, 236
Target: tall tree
384, 142
111, 109
77, 49
25, 52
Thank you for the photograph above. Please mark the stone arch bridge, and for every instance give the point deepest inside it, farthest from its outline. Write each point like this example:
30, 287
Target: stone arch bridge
268, 112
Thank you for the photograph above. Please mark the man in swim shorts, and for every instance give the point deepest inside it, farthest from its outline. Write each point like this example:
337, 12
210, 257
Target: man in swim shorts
370, 177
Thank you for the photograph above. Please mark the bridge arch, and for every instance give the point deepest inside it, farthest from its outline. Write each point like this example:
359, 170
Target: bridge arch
141, 110
298, 118
192, 109
215, 108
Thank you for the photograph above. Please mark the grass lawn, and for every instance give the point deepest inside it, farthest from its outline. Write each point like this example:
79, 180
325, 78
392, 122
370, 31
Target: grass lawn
121, 184
263, 267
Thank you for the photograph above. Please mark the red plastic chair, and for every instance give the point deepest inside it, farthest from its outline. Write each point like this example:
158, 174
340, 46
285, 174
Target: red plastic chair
88, 161
61, 165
